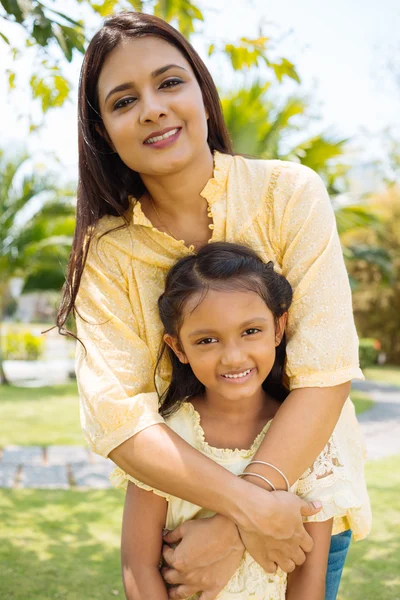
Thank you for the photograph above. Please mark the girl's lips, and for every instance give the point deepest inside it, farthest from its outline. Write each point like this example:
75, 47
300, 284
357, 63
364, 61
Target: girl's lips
168, 141
238, 380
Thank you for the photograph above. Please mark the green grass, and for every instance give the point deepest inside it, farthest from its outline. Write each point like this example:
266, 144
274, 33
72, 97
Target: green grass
385, 374
61, 545
372, 570
40, 416
361, 401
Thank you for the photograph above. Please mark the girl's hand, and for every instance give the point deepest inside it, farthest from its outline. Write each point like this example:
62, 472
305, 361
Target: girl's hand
207, 555
279, 537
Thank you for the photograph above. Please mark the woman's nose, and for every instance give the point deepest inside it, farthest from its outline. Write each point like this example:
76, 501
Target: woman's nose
152, 109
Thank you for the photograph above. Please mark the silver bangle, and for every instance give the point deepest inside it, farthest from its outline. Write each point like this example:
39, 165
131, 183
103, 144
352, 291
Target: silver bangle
261, 462
260, 477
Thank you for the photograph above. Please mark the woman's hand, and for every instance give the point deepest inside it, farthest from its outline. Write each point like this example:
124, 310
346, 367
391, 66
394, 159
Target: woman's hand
207, 555
276, 536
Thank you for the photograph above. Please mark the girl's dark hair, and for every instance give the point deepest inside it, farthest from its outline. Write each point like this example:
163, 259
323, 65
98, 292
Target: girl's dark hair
105, 182
218, 266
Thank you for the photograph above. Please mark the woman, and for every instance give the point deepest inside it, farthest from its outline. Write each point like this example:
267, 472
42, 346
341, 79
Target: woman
157, 181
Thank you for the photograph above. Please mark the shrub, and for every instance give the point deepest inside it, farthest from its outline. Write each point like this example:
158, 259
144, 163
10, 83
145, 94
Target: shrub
22, 345
369, 349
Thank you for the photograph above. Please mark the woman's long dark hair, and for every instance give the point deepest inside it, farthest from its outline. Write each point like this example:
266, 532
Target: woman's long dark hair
105, 182
218, 266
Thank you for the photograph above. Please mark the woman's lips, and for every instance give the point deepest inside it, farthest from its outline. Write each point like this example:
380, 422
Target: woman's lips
164, 140
236, 379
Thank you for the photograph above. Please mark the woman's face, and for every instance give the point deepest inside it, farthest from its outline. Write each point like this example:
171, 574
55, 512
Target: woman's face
152, 107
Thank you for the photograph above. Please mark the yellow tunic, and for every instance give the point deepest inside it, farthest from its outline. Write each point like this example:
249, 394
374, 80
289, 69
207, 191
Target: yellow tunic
328, 480
281, 210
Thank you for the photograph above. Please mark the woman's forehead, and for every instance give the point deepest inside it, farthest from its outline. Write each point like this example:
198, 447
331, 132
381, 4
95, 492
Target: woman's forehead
140, 57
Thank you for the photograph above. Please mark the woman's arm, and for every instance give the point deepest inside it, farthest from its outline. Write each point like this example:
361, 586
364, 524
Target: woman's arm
307, 582
141, 543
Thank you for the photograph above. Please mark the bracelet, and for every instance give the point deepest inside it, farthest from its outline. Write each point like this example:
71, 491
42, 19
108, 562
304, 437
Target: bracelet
261, 462
260, 477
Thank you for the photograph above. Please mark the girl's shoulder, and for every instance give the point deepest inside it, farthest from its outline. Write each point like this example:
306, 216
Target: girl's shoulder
183, 422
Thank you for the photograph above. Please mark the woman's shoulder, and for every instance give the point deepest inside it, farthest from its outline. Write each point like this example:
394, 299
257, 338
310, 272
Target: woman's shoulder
283, 170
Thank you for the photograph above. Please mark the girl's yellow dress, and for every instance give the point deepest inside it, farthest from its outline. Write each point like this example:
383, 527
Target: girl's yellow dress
341, 490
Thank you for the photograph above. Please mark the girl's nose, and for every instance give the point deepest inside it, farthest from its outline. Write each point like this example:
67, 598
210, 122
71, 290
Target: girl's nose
152, 110
232, 356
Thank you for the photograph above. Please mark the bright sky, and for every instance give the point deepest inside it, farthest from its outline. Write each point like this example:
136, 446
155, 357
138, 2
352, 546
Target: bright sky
342, 51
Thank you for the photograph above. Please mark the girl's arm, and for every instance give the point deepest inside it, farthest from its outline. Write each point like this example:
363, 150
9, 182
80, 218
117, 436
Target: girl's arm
141, 544
307, 582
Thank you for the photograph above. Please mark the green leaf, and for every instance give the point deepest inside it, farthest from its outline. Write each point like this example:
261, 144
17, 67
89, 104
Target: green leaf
5, 38
284, 68
11, 80
106, 8
12, 8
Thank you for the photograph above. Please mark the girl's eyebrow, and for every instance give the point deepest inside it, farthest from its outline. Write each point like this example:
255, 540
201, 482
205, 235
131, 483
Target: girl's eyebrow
244, 324
130, 84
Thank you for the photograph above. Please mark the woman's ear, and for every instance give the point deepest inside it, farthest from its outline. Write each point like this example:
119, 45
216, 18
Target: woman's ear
175, 346
280, 328
101, 130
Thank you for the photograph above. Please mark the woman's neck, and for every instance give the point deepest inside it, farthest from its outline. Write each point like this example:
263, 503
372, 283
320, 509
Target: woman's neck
179, 193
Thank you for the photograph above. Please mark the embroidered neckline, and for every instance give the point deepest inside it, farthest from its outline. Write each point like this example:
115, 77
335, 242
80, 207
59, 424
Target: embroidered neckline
227, 453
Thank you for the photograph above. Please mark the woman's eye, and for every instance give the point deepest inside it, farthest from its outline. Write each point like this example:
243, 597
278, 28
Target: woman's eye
207, 341
251, 331
170, 83
124, 102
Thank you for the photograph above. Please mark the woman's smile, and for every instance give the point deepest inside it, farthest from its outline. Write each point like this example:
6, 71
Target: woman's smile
164, 138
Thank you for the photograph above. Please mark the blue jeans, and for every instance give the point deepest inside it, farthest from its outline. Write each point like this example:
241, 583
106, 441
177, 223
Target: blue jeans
337, 555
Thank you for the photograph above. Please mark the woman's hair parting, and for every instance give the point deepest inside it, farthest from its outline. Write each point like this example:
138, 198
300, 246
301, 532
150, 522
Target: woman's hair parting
218, 266
105, 182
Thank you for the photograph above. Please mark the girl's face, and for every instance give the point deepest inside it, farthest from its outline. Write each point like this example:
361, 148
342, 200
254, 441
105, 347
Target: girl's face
152, 107
229, 339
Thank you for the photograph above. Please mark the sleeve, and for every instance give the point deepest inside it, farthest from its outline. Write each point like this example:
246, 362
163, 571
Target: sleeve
322, 348
114, 368
119, 479
327, 480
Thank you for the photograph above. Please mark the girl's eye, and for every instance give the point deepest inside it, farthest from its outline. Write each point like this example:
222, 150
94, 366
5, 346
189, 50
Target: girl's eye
124, 102
171, 83
251, 331
207, 341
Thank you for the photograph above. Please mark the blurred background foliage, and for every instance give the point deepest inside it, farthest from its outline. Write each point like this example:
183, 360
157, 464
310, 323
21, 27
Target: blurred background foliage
37, 216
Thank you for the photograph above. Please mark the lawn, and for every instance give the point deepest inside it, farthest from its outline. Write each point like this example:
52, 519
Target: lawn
65, 544
383, 374
60, 545
361, 401
40, 416
372, 570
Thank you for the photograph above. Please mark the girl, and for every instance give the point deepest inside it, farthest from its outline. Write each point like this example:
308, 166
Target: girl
224, 313
157, 180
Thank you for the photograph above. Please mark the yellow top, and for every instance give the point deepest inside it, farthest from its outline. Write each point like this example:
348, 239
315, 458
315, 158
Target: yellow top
282, 211
335, 479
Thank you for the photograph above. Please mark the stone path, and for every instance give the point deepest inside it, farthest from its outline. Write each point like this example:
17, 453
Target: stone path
75, 467
53, 467
381, 424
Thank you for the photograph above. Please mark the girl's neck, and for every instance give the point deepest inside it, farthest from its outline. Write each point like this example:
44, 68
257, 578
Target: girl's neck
256, 408
234, 425
179, 193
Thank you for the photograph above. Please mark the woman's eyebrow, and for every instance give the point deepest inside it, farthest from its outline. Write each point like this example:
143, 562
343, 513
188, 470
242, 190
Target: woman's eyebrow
126, 86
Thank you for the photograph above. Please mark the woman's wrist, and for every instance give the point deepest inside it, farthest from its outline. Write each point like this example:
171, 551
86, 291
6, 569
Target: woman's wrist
244, 502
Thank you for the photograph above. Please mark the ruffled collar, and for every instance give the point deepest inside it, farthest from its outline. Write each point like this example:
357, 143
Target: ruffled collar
224, 453
211, 192
215, 186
